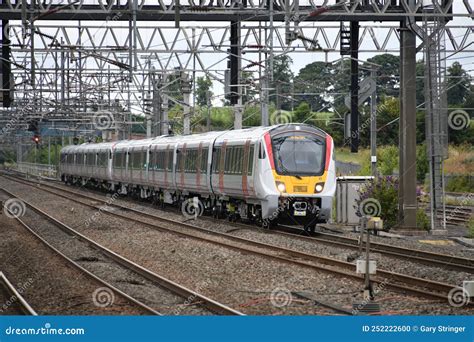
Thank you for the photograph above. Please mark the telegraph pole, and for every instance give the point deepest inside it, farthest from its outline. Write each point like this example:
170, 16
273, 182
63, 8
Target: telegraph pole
373, 125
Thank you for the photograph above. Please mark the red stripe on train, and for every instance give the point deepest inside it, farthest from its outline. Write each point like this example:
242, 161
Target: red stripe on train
268, 143
328, 151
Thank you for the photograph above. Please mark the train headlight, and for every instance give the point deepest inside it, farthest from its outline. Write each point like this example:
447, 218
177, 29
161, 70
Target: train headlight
318, 187
281, 186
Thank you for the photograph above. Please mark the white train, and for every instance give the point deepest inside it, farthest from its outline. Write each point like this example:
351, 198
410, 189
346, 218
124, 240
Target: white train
281, 173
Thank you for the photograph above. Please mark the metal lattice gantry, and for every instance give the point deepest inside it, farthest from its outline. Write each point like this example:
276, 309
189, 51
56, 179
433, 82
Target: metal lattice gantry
97, 62
120, 58
225, 10
96, 58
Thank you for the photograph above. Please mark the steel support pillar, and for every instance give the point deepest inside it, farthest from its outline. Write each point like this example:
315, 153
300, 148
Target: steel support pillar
407, 203
373, 125
6, 66
238, 109
235, 63
186, 89
354, 86
148, 118
186, 114
165, 125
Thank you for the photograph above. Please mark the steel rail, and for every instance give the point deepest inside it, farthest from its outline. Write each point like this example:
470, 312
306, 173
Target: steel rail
425, 257
180, 290
13, 293
396, 281
436, 259
82, 269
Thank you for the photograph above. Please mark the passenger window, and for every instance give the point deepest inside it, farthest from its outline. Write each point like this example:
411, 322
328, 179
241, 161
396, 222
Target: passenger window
216, 160
250, 168
204, 160
240, 158
261, 151
227, 161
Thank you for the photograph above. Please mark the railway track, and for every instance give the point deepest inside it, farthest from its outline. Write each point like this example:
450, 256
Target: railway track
142, 274
459, 194
425, 257
396, 281
457, 214
11, 301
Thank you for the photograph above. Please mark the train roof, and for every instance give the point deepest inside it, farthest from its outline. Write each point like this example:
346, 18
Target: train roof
240, 134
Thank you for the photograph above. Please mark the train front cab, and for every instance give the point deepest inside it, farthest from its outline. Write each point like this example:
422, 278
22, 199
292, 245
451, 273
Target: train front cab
303, 169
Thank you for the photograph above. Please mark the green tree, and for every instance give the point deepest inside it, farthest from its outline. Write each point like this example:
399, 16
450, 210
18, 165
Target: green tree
281, 87
458, 84
388, 73
251, 116
302, 113
469, 103
249, 89
311, 84
422, 163
203, 90
420, 127
388, 111
173, 87
341, 75
420, 83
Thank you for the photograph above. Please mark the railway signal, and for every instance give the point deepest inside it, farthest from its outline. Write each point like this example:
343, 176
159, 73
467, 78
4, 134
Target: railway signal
37, 139
367, 266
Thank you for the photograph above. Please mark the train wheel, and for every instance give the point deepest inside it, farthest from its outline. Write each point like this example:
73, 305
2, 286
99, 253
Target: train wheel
272, 224
258, 219
310, 228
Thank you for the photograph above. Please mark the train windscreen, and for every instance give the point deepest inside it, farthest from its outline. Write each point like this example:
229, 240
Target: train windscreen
298, 153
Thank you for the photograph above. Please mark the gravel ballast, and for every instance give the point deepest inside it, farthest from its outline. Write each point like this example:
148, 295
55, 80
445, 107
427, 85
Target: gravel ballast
244, 281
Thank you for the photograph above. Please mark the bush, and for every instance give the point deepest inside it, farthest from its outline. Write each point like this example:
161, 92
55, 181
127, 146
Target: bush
422, 220
422, 163
460, 183
387, 161
385, 191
